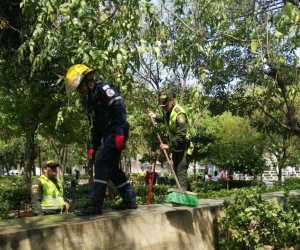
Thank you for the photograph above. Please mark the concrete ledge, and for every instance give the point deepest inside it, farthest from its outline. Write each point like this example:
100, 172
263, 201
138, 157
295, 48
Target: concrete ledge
151, 227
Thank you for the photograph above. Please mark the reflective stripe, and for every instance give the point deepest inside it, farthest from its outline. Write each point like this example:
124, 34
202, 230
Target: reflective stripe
181, 150
51, 198
105, 87
100, 181
123, 184
114, 99
51, 208
55, 200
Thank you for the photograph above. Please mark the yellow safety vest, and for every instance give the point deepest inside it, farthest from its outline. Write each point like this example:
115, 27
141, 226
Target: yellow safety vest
52, 197
171, 127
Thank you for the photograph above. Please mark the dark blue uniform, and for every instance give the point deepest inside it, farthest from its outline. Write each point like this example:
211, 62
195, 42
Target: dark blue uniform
109, 119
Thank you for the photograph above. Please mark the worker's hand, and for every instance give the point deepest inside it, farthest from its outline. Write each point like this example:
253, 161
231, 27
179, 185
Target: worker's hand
151, 114
68, 206
119, 140
90, 152
163, 146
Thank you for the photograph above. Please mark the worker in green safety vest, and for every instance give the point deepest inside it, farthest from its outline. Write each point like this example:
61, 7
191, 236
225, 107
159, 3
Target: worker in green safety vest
176, 122
47, 192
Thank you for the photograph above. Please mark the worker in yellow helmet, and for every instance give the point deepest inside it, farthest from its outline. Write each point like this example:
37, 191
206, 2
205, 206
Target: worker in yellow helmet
109, 126
76, 75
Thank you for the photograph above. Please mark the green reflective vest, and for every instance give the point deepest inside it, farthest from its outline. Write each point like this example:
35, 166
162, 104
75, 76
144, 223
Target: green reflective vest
171, 127
52, 197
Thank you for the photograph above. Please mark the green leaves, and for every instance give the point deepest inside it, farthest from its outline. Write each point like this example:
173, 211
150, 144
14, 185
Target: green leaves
237, 146
250, 222
278, 34
85, 32
288, 10
254, 45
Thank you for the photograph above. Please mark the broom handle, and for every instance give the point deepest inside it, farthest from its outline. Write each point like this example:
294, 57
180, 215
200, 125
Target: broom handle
166, 155
151, 184
170, 164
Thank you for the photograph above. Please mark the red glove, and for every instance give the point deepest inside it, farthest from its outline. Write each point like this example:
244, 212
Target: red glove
90, 153
119, 140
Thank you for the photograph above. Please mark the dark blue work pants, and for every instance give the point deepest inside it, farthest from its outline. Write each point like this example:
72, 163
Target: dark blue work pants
107, 168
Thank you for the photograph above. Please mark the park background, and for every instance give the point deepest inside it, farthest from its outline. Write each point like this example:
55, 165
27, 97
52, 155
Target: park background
234, 66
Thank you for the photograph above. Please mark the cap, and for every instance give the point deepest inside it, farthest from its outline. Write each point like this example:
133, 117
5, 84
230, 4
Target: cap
50, 164
164, 97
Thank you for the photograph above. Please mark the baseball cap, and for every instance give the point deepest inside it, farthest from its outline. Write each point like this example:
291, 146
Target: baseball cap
164, 97
50, 164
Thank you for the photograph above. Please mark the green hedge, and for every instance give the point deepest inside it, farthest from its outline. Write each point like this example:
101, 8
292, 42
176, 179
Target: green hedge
252, 222
291, 184
11, 181
209, 189
13, 197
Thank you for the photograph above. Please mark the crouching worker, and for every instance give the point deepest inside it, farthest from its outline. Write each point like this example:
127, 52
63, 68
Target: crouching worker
47, 192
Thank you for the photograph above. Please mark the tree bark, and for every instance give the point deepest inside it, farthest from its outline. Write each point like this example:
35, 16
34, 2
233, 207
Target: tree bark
29, 153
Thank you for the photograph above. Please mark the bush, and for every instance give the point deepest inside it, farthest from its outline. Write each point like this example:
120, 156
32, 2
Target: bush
79, 195
159, 193
291, 184
195, 177
209, 189
11, 181
13, 198
251, 222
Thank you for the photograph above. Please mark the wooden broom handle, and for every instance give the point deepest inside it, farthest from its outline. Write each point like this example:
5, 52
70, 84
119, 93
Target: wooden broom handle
151, 119
166, 155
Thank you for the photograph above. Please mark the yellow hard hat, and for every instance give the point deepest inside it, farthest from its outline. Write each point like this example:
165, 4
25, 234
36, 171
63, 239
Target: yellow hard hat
75, 75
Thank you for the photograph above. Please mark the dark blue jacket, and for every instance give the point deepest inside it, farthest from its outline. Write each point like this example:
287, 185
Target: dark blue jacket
109, 112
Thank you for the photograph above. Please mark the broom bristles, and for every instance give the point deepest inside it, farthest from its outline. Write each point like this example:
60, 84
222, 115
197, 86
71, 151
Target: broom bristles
182, 199
181, 191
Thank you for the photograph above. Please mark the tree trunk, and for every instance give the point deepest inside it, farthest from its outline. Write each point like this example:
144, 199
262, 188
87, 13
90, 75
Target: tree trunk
280, 176
29, 153
60, 154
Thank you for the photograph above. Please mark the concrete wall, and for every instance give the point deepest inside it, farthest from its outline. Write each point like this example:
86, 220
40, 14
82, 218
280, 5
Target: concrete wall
157, 227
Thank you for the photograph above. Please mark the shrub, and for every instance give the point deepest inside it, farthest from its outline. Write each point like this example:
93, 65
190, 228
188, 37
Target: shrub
251, 222
291, 184
13, 198
79, 195
195, 177
208, 189
11, 180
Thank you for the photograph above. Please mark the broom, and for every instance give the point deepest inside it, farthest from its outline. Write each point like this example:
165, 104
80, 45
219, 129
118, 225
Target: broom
177, 196
151, 184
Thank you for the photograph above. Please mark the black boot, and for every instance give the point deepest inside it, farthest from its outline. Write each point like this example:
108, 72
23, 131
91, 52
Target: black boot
128, 196
88, 210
